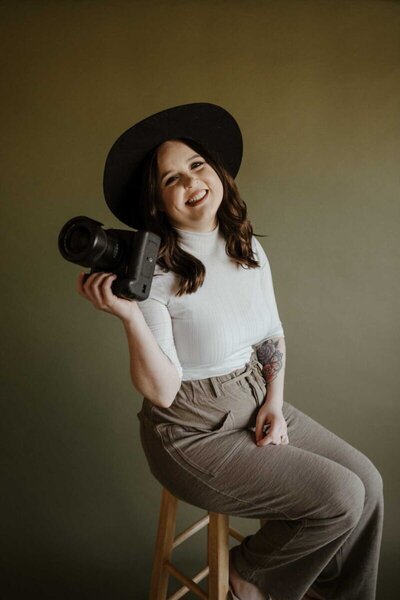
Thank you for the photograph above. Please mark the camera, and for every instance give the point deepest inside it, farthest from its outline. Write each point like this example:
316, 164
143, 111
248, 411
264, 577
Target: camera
131, 255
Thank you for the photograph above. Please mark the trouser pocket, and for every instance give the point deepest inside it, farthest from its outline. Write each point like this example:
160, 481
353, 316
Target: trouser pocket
201, 451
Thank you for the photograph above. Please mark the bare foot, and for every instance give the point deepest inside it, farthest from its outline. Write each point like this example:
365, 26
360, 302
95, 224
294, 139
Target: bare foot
243, 589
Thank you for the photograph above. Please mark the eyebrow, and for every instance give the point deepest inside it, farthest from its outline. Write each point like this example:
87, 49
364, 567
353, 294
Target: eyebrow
188, 160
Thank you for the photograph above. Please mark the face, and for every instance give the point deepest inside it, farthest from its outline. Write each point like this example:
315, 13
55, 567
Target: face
184, 175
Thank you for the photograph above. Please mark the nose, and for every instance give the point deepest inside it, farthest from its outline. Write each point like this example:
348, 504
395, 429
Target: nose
188, 181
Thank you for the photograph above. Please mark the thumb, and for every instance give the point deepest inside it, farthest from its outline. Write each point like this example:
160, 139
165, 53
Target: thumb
269, 439
260, 429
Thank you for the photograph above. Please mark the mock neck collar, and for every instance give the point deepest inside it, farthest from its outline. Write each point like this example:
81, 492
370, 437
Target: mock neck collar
198, 242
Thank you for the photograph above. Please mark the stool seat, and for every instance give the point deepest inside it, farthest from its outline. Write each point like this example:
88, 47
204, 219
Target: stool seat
217, 567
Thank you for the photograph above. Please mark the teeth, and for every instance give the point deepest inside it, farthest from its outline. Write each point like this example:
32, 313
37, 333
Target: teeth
197, 197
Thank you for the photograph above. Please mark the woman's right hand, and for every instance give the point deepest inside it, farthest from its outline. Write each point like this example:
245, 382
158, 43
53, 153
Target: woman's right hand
97, 289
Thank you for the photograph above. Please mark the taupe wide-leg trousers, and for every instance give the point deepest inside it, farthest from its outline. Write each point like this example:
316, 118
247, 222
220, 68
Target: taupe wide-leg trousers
322, 498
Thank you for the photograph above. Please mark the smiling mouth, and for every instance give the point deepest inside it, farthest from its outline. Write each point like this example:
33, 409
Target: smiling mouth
197, 202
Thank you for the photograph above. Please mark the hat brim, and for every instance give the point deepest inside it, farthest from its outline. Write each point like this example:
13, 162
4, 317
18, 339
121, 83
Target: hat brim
209, 124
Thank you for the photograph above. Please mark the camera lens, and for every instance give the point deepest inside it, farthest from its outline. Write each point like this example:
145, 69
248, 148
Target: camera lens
83, 241
77, 240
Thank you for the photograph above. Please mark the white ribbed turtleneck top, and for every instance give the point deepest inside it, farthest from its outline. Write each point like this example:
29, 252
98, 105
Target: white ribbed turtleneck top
213, 331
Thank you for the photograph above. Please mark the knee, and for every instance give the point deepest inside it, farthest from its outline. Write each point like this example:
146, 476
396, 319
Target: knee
351, 500
374, 481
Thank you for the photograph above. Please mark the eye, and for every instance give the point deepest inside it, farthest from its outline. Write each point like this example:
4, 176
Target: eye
194, 165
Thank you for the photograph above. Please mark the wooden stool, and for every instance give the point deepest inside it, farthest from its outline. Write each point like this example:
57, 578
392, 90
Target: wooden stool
217, 569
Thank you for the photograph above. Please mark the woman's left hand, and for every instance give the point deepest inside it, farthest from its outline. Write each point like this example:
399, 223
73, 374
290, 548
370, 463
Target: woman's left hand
270, 415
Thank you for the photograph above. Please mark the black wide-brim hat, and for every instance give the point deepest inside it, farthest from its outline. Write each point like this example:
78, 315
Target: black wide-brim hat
209, 124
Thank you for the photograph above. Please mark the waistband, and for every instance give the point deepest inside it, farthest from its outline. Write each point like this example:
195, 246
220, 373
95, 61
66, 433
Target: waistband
218, 384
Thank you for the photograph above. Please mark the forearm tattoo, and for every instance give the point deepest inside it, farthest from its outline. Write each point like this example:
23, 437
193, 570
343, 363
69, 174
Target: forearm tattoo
270, 358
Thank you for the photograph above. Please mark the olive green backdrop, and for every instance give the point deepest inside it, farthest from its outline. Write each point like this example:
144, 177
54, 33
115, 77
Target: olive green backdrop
315, 87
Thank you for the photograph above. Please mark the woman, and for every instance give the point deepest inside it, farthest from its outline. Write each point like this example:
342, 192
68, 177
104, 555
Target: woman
208, 352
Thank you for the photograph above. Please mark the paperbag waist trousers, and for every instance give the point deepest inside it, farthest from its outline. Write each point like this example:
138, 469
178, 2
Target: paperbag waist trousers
322, 498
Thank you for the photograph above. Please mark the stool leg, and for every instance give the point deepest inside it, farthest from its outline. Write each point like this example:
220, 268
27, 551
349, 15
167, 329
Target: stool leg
218, 556
165, 539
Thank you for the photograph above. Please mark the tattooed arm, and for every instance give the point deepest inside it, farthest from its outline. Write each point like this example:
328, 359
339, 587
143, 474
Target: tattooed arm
271, 426
272, 355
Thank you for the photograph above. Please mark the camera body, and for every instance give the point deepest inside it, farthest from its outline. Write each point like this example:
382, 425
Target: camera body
131, 255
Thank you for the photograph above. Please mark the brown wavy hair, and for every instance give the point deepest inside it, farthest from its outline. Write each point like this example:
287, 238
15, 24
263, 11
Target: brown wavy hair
232, 216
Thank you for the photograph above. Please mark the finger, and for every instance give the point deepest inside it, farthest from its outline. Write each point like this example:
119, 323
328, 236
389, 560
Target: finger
79, 283
86, 285
273, 437
90, 287
258, 430
261, 429
97, 289
109, 298
267, 440
86, 280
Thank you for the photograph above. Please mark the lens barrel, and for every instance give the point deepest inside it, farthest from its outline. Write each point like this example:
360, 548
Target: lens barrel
83, 241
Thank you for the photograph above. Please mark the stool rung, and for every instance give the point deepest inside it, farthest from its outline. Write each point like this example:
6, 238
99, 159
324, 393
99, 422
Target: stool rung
189, 583
184, 590
235, 534
217, 569
190, 531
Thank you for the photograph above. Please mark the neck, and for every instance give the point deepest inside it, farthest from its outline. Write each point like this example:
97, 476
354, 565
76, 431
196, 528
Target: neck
198, 242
